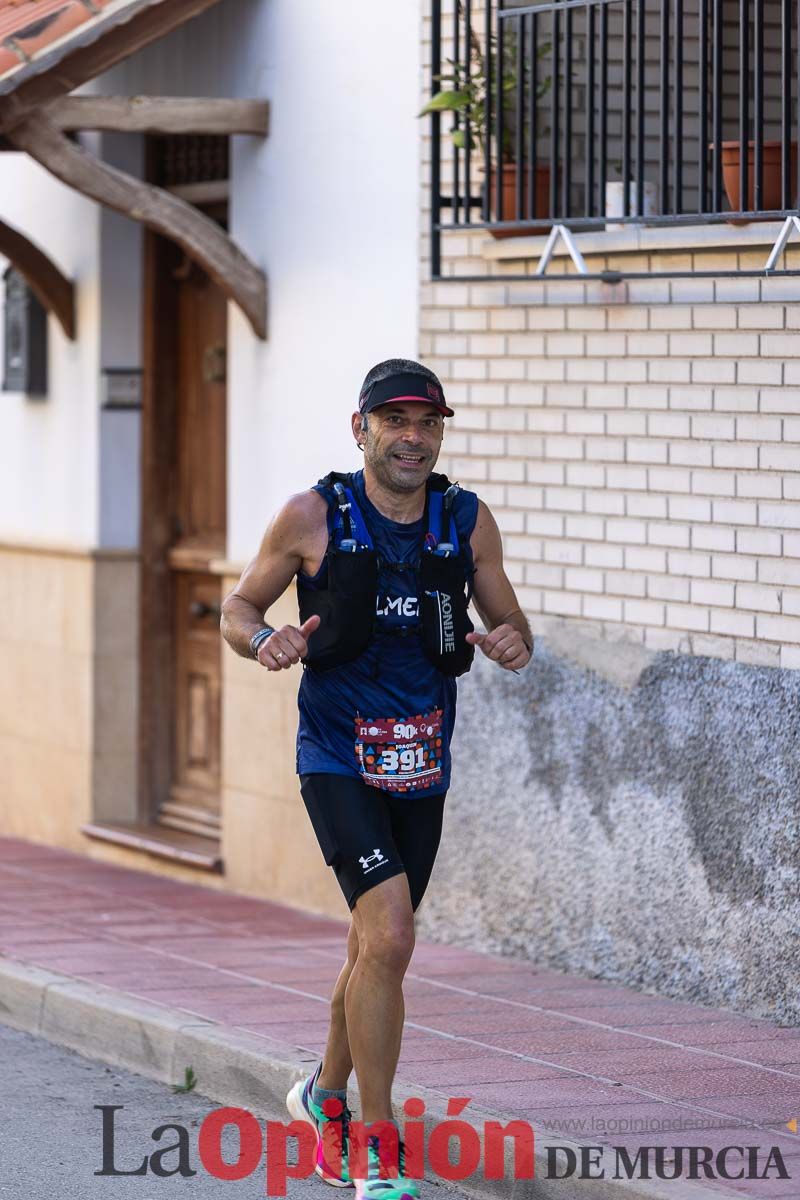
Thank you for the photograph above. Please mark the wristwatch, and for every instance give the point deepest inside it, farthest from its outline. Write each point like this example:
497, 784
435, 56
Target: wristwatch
258, 637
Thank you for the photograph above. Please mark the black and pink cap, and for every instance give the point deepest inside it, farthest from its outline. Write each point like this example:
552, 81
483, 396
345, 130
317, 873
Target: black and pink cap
404, 387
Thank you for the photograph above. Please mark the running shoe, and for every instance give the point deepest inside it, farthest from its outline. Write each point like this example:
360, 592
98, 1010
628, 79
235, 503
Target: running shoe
380, 1184
302, 1108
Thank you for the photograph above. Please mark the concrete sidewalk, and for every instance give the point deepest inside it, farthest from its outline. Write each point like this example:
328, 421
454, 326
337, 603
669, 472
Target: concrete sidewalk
157, 975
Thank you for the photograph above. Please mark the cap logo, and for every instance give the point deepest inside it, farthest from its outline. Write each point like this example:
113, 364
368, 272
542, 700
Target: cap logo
433, 392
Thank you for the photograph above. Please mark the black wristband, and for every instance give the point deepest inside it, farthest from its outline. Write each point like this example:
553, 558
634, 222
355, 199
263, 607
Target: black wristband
258, 637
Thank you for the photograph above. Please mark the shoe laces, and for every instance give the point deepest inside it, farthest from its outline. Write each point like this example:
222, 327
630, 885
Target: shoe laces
341, 1132
374, 1161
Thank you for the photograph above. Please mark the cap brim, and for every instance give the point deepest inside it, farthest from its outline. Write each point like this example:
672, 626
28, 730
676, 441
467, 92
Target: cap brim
442, 408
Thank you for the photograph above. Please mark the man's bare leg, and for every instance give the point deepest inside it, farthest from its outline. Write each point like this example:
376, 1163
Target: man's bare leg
337, 1062
373, 994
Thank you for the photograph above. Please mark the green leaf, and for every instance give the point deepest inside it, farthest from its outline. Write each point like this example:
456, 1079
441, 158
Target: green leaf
446, 102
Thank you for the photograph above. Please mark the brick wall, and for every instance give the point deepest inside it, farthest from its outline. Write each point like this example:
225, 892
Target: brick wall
641, 459
638, 445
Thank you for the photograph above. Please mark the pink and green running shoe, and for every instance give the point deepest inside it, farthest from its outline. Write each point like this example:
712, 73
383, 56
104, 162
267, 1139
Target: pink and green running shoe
332, 1132
385, 1179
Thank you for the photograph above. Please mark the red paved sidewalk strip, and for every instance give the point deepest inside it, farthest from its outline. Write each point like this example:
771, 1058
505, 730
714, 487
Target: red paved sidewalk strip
580, 1057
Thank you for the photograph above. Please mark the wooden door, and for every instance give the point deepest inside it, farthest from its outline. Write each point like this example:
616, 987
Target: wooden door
199, 491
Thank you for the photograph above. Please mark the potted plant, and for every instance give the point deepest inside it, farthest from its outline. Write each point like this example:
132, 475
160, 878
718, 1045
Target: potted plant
465, 96
771, 190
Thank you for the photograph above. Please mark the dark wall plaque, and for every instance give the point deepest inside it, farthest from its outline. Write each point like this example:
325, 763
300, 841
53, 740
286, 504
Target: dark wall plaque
25, 342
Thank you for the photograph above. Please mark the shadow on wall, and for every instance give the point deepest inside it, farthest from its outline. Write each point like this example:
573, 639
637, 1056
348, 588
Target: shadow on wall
643, 829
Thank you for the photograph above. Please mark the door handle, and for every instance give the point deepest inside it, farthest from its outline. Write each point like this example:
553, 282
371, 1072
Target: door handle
199, 608
215, 366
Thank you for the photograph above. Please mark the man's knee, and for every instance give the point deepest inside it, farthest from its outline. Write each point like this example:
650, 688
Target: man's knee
384, 923
389, 943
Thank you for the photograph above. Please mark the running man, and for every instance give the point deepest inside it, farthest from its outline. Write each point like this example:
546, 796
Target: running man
385, 561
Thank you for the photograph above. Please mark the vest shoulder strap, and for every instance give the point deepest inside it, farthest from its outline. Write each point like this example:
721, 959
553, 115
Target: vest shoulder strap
349, 530
442, 537
441, 523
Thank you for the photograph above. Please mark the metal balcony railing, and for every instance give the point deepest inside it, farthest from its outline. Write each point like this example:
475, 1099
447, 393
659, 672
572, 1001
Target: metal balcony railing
590, 113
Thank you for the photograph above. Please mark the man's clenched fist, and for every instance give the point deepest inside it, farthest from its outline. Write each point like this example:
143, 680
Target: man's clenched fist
286, 646
504, 645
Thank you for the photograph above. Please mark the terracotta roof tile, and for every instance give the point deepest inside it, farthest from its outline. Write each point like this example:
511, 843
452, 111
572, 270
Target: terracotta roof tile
30, 27
8, 60
29, 39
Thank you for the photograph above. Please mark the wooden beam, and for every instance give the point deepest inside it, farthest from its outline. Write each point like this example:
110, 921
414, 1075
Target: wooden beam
160, 114
210, 191
53, 290
144, 22
203, 241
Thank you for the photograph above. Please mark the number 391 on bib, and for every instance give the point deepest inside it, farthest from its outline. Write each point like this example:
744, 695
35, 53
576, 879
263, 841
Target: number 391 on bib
400, 754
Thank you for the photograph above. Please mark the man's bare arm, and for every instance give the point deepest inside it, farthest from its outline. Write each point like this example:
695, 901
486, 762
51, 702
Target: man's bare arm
509, 640
295, 535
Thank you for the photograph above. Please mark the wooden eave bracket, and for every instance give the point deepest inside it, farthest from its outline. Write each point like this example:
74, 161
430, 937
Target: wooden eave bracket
203, 241
160, 114
52, 288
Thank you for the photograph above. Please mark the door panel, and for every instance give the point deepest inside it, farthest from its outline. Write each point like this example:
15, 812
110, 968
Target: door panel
194, 793
200, 519
201, 411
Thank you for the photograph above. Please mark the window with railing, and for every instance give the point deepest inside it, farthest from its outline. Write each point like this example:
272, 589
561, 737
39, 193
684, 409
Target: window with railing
608, 113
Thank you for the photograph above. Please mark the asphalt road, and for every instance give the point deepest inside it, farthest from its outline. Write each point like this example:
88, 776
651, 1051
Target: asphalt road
51, 1134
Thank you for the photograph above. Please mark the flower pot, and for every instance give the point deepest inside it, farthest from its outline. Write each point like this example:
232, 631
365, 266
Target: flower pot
615, 202
508, 212
771, 197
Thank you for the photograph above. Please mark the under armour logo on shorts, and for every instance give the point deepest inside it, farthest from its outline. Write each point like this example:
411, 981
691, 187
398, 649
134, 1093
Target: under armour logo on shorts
376, 858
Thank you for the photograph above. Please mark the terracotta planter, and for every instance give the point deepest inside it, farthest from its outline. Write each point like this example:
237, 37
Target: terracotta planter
771, 188
541, 200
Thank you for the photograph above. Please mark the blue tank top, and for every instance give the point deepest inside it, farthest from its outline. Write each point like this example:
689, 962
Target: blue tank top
388, 715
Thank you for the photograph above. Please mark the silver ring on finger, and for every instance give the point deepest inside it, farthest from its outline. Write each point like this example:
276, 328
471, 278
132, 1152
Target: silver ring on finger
279, 654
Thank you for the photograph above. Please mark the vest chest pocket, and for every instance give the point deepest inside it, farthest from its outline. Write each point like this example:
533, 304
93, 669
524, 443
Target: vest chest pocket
400, 754
445, 620
346, 609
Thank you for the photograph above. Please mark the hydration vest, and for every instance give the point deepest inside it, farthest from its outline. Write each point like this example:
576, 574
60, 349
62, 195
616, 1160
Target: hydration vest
347, 605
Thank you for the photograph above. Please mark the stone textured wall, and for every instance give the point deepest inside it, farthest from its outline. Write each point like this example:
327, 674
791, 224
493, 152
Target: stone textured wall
629, 815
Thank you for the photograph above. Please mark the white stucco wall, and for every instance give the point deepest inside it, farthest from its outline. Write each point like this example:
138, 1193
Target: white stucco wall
121, 276
48, 483
327, 205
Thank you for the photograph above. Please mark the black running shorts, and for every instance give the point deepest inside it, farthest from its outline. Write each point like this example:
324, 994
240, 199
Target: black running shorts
368, 835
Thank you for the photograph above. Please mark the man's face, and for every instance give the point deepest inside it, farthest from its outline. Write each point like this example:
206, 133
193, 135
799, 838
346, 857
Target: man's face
401, 443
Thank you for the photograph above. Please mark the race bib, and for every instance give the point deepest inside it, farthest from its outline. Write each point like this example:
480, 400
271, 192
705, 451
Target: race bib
400, 755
